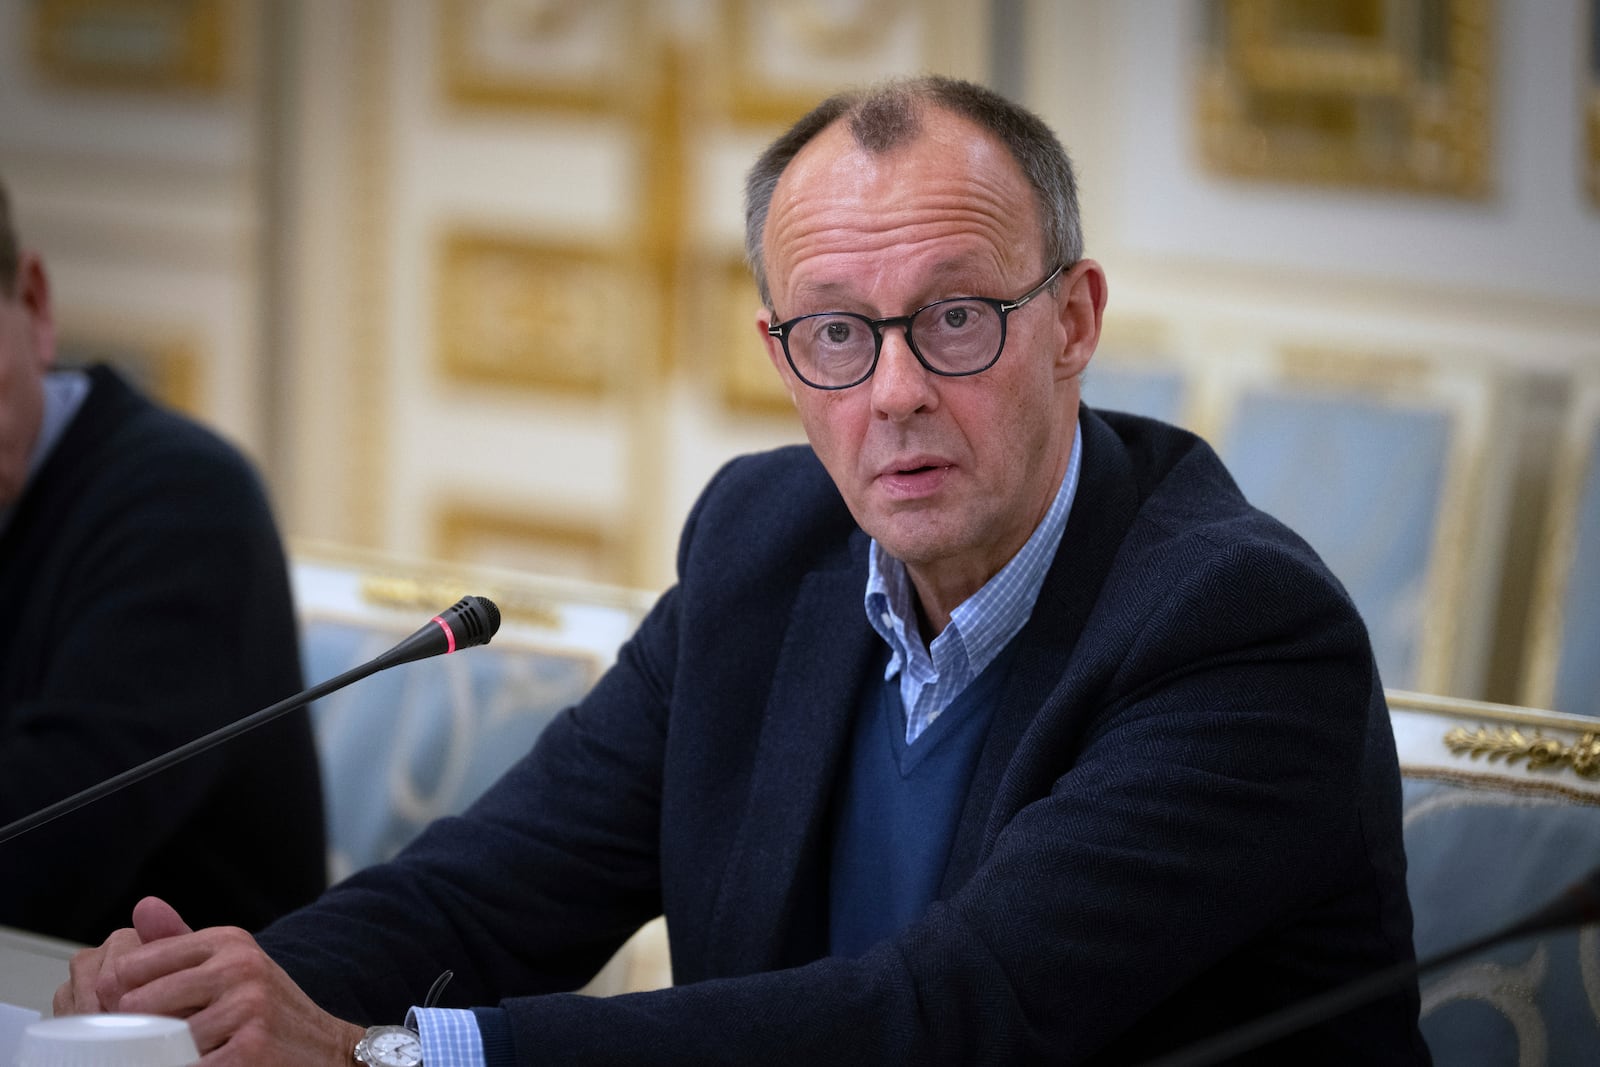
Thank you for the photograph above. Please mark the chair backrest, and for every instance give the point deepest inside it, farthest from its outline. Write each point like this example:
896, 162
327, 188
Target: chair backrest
1386, 465
1502, 812
1117, 381
1563, 660
1396, 466
422, 740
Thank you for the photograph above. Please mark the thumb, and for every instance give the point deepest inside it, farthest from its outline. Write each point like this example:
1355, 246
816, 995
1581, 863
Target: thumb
154, 918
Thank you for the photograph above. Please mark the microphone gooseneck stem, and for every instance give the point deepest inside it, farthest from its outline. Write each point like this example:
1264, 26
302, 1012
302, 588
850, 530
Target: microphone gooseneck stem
183, 752
1578, 904
470, 622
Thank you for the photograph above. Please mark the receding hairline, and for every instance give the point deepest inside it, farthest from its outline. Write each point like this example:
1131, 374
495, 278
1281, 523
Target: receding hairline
888, 115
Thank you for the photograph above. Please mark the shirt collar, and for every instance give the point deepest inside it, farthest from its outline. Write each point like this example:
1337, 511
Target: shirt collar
985, 622
64, 393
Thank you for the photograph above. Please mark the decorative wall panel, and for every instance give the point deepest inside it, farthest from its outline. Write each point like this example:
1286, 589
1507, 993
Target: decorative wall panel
132, 44
786, 55
528, 314
543, 55
537, 542
552, 329
1358, 92
749, 382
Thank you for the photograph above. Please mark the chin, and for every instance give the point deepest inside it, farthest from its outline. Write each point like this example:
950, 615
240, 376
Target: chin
917, 550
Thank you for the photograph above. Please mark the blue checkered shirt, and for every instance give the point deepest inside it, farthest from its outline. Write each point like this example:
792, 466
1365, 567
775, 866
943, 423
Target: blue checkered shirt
450, 1037
932, 676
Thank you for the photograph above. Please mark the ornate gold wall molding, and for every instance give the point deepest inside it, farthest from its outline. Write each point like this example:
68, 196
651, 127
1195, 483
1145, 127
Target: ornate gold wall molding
781, 57
143, 45
477, 533
529, 314
593, 285
1383, 93
749, 381
542, 55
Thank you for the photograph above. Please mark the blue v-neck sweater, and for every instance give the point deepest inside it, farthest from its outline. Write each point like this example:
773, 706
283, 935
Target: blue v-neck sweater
896, 814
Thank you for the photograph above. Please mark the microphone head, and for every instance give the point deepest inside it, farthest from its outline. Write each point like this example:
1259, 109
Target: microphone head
474, 619
469, 622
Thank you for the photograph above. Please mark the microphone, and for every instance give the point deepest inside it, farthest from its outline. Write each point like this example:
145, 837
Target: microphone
471, 621
1577, 905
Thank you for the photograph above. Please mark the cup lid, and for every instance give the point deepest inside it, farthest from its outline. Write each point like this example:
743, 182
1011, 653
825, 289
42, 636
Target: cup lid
110, 1040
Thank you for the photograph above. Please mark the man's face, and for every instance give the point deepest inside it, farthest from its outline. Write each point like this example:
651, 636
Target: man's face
951, 475
26, 351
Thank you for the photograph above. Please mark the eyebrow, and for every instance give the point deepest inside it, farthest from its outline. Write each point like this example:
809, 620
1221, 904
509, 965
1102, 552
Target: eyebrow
829, 290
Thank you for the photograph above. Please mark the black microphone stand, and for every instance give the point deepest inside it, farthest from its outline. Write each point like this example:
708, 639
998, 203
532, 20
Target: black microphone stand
476, 617
1577, 905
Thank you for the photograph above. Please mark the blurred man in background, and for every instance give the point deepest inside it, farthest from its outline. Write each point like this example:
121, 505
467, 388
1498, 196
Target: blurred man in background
145, 602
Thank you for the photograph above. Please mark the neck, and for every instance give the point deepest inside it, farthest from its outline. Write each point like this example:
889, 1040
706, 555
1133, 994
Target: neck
938, 595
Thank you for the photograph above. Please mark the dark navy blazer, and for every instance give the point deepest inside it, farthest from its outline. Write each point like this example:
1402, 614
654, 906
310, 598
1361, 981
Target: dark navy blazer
1185, 815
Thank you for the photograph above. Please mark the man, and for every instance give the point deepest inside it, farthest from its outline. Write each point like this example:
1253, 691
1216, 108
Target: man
146, 603
1105, 768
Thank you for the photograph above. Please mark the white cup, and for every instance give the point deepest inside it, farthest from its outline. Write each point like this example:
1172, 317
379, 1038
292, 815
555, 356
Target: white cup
107, 1041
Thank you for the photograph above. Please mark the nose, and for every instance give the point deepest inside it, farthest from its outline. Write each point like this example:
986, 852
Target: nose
901, 385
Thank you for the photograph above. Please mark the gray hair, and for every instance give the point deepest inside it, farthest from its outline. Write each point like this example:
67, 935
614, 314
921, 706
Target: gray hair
885, 116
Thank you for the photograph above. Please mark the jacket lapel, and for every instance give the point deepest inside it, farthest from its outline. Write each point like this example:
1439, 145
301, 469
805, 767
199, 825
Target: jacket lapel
770, 909
1103, 509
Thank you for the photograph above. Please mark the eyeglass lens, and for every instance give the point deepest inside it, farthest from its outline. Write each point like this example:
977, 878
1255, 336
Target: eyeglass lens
954, 336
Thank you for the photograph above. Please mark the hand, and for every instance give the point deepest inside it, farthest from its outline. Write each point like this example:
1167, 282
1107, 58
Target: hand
153, 919
241, 1007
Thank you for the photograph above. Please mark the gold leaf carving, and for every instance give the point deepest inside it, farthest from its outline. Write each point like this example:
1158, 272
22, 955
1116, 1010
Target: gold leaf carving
1539, 752
438, 594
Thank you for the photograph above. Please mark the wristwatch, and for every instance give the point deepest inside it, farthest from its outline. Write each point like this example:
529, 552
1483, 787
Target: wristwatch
389, 1046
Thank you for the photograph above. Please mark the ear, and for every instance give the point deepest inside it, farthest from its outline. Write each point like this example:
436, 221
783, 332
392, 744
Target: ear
33, 294
780, 362
1082, 303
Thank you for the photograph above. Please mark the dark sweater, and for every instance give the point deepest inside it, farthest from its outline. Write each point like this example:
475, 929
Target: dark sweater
898, 807
146, 601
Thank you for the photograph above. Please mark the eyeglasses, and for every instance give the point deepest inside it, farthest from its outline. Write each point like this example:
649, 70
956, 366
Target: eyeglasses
953, 338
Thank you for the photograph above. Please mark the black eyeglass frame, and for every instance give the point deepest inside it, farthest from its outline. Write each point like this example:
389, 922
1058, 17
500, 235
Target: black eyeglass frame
1004, 308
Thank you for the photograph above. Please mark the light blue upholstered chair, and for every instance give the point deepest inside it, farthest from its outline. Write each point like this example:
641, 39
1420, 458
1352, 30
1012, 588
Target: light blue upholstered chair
1389, 472
412, 743
1502, 811
421, 740
1141, 388
1563, 666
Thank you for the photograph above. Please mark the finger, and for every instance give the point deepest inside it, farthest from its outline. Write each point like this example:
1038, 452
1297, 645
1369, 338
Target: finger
77, 994
186, 973
176, 954
80, 992
155, 919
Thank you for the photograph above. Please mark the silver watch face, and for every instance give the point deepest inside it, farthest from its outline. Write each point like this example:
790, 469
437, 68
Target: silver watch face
390, 1046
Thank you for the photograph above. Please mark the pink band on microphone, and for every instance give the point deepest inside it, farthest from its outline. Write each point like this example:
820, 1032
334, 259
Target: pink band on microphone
449, 635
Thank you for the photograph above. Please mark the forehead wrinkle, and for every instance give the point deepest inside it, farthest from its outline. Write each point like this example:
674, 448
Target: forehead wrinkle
978, 238
843, 219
